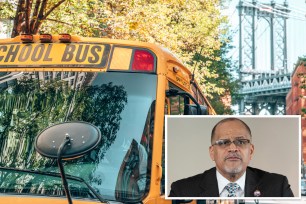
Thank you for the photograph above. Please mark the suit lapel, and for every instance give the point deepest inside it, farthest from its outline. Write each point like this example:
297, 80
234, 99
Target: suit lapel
209, 184
252, 182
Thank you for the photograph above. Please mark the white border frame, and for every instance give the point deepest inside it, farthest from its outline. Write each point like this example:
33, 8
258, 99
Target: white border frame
234, 198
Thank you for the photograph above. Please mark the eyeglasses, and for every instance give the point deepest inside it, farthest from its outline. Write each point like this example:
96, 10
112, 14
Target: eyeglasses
238, 142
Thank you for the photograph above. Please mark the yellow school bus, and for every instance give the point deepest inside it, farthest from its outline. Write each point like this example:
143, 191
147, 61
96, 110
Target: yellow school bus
120, 90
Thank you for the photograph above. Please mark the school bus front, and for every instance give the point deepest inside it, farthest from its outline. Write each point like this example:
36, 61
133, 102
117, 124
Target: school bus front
117, 86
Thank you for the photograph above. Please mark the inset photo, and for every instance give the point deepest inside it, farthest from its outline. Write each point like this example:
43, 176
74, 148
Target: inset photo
241, 157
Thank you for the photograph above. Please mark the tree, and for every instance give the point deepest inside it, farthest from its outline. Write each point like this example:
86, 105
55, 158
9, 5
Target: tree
79, 17
300, 72
29, 16
181, 26
219, 81
63, 16
6, 10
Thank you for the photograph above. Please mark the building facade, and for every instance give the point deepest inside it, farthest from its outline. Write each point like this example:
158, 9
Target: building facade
296, 100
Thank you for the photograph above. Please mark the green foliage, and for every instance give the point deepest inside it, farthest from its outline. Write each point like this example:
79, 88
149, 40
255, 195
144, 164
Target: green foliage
181, 26
6, 10
220, 108
302, 76
83, 18
301, 60
218, 77
57, 16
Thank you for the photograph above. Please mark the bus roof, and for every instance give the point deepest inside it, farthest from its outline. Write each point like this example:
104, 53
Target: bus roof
77, 39
48, 55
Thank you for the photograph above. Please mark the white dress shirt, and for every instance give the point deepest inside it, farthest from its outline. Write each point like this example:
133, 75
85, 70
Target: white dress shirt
222, 182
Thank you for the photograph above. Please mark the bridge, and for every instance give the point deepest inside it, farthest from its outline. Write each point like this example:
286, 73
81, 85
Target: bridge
263, 89
266, 93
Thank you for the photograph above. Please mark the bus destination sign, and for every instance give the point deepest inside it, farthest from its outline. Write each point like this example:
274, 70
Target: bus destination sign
28, 55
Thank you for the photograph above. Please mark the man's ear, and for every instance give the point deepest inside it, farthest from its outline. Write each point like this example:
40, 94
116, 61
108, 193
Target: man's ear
211, 152
252, 148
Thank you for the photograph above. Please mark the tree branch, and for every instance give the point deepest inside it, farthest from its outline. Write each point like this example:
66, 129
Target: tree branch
54, 7
28, 8
35, 14
54, 20
40, 16
18, 18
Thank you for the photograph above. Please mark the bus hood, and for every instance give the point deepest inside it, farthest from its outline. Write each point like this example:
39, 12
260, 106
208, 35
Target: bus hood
22, 199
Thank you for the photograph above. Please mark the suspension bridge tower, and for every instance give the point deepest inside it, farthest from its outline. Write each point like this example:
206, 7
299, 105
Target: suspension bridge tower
263, 71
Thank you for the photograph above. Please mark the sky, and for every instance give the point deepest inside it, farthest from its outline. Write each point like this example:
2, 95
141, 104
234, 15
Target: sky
4, 28
296, 32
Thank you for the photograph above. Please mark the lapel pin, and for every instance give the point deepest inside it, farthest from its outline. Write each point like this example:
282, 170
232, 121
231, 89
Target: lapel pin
257, 193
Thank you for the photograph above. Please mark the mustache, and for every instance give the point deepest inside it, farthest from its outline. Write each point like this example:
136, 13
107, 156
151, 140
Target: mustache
233, 155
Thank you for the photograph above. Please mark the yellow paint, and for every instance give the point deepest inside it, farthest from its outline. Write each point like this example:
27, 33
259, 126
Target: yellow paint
51, 54
19, 199
121, 58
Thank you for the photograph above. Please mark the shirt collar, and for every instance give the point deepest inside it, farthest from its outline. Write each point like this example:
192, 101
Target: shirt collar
222, 181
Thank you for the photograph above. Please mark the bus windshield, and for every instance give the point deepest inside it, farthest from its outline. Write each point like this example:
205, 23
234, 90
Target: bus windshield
121, 105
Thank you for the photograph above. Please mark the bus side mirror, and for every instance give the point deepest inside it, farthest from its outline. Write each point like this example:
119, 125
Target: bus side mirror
67, 140
70, 139
192, 109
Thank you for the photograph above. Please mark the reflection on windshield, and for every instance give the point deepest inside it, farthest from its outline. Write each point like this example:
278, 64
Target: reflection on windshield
114, 102
132, 177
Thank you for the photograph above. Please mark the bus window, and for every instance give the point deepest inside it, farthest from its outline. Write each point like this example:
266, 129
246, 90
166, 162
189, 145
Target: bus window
196, 92
134, 173
119, 168
176, 105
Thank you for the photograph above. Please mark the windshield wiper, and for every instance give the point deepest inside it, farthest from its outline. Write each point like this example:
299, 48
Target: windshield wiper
54, 174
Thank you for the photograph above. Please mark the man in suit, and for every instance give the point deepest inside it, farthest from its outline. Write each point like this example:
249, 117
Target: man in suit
232, 149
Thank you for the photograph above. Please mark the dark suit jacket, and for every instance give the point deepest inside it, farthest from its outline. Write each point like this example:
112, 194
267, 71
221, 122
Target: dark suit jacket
206, 185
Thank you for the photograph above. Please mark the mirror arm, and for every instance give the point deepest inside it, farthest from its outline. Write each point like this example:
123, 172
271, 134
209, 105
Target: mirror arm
94, 192
61, 167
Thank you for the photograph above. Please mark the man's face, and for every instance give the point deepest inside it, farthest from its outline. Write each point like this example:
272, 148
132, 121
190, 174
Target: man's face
231, 161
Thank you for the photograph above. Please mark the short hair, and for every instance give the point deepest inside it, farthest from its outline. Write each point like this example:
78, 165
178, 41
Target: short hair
226, 120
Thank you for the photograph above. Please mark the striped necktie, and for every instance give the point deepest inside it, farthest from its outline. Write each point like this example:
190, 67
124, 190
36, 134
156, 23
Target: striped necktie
232, 189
